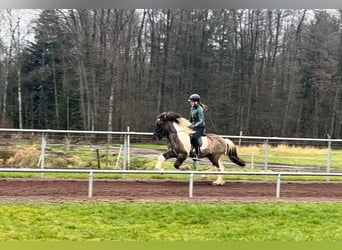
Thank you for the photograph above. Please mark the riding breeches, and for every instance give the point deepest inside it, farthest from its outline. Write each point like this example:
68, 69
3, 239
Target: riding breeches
196, 140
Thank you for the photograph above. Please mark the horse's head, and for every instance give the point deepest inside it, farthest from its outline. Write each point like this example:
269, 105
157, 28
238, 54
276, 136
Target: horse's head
164, 124
161, 128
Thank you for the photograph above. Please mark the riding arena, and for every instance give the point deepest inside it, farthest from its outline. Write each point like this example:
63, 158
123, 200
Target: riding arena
263, 182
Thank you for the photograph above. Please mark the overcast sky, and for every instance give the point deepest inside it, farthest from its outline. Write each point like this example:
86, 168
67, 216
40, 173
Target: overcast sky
25, 17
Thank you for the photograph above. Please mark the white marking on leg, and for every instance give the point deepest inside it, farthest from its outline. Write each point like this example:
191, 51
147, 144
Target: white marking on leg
160, 160
220, 180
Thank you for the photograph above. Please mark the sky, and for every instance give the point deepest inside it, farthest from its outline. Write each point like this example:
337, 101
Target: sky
25, 17
184, 4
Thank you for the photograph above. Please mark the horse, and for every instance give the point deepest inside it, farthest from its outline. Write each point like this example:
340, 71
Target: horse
177, 131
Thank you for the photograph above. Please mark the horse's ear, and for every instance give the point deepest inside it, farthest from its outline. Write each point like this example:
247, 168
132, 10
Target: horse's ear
161, 117
168, 116
165, 116
172, 116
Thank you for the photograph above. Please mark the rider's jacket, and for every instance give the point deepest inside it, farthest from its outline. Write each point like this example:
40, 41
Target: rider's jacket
197, 117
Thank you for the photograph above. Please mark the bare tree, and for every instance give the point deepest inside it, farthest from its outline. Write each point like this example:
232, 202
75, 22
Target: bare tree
293, 60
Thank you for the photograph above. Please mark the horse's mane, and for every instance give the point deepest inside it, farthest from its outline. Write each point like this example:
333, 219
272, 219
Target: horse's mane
177, 118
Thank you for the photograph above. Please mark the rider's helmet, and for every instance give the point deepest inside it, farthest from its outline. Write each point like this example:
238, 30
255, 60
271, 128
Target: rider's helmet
194, 97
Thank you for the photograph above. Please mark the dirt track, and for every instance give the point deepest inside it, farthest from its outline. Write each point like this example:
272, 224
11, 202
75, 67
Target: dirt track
59, 191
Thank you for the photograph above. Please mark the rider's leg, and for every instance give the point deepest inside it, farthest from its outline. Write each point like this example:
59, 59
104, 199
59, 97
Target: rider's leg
198, 148
196, 142
193, 145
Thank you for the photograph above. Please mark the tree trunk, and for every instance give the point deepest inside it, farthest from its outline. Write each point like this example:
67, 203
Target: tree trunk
55, 91
20, 109
292, 66
110, 111
4, 100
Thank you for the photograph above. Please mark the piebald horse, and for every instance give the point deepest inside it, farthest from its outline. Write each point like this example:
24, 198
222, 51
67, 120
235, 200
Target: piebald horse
177, 131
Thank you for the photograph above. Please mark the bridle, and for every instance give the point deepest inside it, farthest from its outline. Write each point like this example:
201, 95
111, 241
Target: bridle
160, 132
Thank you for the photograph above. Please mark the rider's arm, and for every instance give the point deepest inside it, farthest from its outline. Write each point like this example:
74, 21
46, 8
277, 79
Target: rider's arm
200, 122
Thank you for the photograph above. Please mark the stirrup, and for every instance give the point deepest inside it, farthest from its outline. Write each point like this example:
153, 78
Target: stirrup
196, 158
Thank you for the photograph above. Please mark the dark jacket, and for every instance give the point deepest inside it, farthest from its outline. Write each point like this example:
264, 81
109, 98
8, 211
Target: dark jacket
197, 117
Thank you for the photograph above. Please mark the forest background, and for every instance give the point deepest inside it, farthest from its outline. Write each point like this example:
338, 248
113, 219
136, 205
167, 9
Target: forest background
262, 72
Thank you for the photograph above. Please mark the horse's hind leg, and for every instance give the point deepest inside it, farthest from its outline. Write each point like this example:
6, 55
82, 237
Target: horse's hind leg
220, 180
216, 161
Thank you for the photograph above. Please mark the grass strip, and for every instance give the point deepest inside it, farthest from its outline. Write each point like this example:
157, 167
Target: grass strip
171, 222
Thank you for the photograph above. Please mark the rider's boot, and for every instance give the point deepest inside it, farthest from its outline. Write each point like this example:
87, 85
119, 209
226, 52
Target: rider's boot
197, 154
192, 153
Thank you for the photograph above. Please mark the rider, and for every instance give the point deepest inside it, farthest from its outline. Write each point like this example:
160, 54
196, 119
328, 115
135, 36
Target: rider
197, 122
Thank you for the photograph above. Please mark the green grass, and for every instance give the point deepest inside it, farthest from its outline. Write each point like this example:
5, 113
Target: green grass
292, 156
171, 222
281, 154
85, 157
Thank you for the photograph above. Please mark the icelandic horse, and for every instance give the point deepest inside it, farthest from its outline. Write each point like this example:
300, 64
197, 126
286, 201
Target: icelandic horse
177, 131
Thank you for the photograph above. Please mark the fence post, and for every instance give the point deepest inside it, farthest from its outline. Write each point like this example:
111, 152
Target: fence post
90, 186
124, 167
127, 160
278, 186
42, 154
266, 159
329, 158
191, 185
128, 148
266, 155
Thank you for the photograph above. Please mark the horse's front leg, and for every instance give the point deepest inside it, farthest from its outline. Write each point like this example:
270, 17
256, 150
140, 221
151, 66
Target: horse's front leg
180, 159
162, 158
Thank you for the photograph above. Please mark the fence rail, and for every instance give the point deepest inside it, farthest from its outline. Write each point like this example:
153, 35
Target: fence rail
128, 135
191, 174
126, 158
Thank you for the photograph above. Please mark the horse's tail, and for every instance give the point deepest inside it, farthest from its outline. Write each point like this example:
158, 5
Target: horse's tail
231, 152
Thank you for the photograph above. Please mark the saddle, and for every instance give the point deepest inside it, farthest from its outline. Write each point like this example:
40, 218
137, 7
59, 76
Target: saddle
195, 152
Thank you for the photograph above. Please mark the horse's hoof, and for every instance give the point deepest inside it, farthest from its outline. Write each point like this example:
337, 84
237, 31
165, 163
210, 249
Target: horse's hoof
184, 168
218, 183
160, 170
213, 168
204, 177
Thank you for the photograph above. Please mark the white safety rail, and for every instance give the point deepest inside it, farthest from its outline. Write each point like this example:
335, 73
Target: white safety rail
191, 174
128, 134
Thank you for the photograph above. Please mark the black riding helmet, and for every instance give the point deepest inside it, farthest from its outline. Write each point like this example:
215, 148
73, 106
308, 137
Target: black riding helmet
194, 97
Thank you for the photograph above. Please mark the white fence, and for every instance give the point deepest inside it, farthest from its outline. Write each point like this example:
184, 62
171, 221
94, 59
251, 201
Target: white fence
126, 158
129, 134
191, 174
